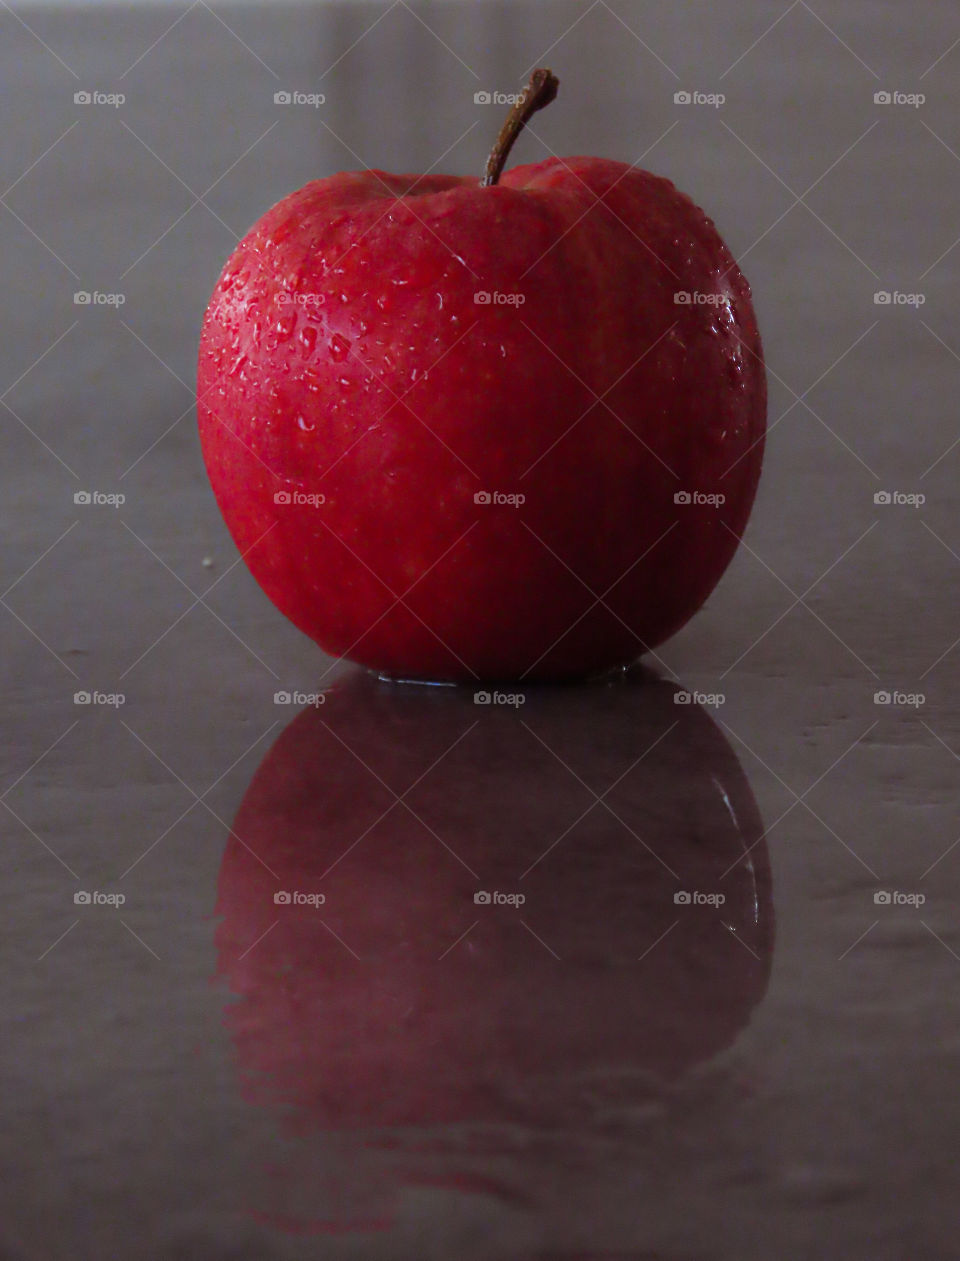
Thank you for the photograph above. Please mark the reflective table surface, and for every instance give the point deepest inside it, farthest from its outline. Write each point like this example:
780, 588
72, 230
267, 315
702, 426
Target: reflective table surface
297, 962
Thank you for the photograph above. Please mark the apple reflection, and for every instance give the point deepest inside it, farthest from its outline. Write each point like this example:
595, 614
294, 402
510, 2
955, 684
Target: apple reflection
449, 923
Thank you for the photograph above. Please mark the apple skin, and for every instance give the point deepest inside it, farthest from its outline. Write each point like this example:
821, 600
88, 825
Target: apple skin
399, 1011
343, 355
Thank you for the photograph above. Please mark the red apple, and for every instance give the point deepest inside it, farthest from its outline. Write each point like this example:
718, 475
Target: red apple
399, 1010
507, 428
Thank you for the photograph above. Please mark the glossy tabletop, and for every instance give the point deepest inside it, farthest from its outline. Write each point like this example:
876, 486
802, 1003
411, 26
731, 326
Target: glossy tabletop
298, 963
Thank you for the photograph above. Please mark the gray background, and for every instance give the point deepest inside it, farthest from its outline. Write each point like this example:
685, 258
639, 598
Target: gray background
829, 1128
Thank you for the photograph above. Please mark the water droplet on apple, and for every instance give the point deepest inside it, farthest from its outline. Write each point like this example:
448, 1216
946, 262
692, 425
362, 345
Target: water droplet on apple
339, 347
284, 326
308, 338
306, 425
383, 302
345, 383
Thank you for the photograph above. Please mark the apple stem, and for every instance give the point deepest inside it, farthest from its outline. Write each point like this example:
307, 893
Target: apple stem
540, 91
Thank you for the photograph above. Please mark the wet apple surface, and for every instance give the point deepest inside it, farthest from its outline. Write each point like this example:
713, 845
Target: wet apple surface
468, 430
